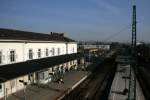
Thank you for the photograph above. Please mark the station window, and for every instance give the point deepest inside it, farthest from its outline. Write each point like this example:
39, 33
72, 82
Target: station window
46, 75
39, 53
58, 49
73, 62
30, 54
41, 75
0, 57
70, 62
53, 51
46, 52
30, 76
12, 56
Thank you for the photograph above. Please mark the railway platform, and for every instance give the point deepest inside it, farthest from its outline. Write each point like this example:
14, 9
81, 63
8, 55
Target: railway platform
53, 90
120, 85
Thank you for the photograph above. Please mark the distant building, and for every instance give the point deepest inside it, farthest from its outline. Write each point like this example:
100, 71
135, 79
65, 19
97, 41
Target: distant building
96, 46
28, 57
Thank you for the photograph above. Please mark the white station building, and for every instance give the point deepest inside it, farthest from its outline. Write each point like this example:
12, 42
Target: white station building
33, 58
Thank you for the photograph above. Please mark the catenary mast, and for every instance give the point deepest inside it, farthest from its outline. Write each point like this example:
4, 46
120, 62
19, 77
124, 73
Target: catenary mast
132, 82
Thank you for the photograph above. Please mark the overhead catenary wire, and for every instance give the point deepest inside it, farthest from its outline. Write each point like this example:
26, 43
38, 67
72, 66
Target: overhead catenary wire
117, 33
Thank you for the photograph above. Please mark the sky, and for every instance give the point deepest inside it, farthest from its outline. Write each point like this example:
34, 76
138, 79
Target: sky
99, 20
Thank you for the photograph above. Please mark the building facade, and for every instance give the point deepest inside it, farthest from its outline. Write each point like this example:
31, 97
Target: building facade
18, 48
98, 46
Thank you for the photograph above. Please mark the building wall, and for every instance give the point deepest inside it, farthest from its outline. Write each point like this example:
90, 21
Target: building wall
22, 50
43, 47
13, 85
22, 54
72, 48
102, 46
5, 48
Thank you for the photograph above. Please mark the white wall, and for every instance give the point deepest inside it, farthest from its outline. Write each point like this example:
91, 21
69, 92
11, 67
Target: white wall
72, 46
22, 50
43, 46
5, 49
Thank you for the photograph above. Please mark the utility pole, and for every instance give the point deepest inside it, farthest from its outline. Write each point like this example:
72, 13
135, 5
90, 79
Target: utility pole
132, 81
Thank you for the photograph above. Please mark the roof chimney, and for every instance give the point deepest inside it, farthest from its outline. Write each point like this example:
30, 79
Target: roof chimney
56, 34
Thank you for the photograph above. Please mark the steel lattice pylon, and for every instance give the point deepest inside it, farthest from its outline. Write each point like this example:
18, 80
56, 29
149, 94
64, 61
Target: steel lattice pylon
132, 82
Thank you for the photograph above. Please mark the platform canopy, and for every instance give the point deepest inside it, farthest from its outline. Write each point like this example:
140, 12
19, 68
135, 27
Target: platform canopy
11, 71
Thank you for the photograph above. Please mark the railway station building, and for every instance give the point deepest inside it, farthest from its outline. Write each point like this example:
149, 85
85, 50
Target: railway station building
33, 58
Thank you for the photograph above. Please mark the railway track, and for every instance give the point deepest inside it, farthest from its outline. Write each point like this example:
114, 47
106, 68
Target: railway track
143, 77
96, 85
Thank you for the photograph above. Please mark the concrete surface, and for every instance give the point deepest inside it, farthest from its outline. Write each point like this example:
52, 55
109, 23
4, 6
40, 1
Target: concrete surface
118, 85
53, 90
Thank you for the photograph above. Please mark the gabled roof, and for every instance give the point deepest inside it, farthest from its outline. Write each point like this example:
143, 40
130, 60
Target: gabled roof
11, 34
11, 71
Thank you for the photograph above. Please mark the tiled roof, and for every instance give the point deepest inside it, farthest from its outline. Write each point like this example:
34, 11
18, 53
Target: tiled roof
15, 70
11, 34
